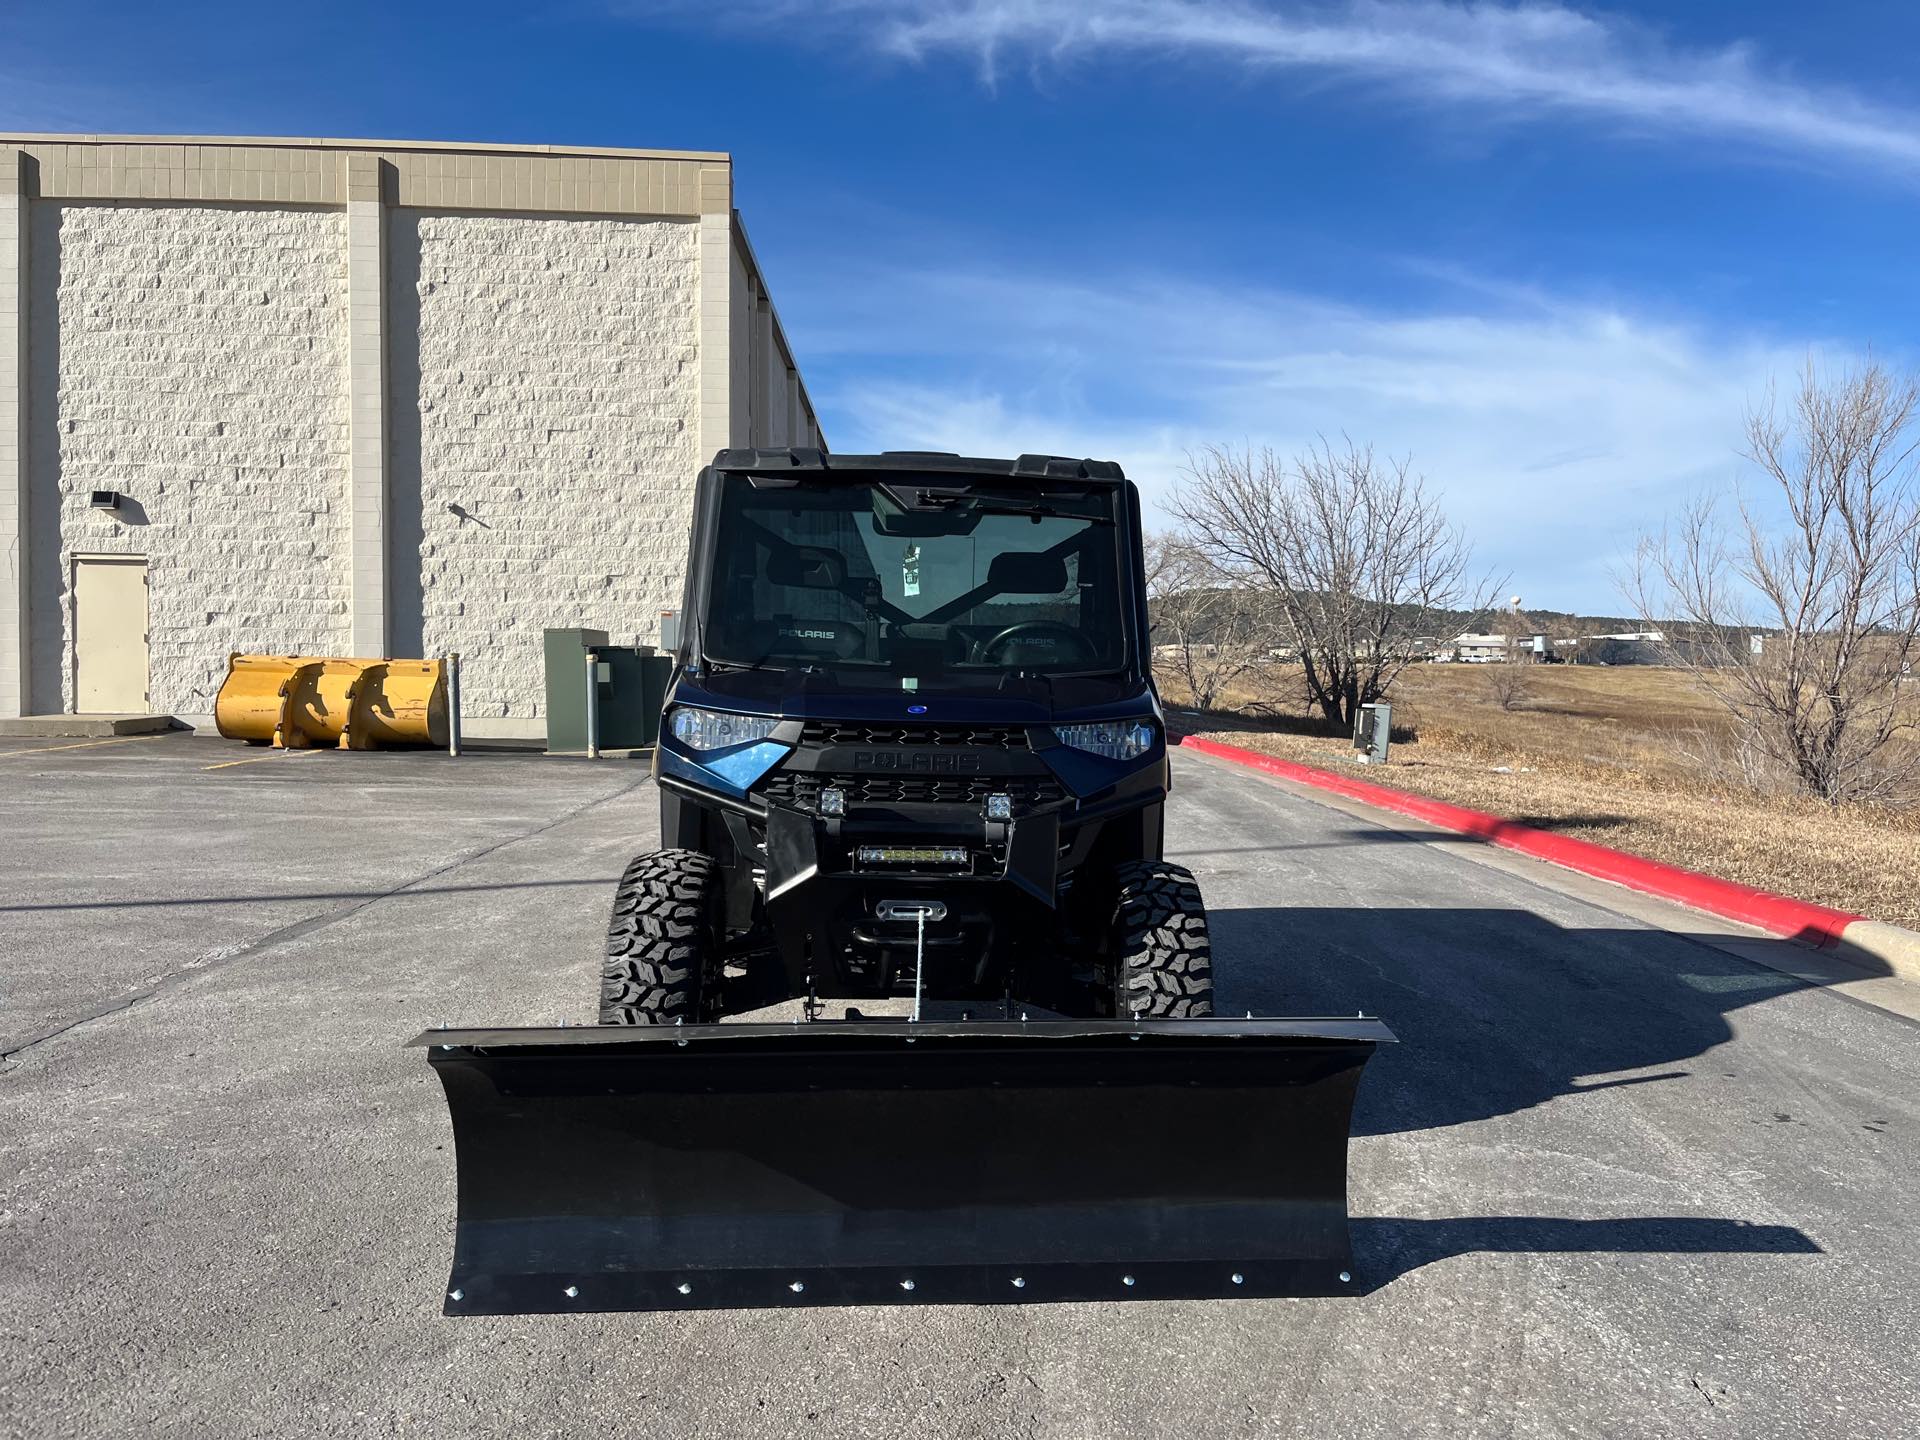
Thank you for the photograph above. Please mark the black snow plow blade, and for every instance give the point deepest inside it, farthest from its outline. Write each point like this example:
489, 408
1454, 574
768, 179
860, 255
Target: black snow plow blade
861, 1162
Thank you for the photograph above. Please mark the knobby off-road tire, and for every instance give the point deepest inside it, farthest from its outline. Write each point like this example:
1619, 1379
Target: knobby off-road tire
663, 940
1163, 961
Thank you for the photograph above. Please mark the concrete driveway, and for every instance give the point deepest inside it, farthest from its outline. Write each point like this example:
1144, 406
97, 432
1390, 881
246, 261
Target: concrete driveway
1614, 1181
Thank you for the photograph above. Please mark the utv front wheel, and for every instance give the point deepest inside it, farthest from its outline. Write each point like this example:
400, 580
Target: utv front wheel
1163, 962
663, 944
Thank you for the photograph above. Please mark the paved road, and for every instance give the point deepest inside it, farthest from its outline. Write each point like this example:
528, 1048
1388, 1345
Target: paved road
1613, 1183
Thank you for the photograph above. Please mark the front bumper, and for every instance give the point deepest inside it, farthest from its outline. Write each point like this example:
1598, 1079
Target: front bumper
825, 902
921, 795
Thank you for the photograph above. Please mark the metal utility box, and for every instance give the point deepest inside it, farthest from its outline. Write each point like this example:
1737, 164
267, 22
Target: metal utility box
1371, 730
566, 672
632, 683
629, 682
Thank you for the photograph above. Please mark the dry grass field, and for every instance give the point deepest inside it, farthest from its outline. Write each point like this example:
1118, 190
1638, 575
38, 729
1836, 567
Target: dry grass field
1631, 757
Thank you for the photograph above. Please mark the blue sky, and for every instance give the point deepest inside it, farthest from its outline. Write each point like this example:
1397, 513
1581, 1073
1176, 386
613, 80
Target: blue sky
1552, 252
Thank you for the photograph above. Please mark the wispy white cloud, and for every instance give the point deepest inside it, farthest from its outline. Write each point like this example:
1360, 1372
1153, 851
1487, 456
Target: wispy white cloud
1498, 60
1558, 429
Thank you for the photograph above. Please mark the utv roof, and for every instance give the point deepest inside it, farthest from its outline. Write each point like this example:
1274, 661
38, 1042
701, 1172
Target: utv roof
1025, 467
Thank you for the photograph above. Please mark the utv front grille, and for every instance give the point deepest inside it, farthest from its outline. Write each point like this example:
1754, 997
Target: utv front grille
973, 737
800, 790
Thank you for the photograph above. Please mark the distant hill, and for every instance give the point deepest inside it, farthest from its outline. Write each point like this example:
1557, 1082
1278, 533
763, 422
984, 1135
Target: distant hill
1444, 624
1560, 624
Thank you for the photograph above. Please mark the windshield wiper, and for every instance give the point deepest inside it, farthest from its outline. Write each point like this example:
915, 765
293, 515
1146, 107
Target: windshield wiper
760, 664
1037, 507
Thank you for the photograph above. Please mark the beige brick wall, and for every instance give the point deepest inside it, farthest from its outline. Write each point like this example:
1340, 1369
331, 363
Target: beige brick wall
739, 350
485, 177
770, 404
194, 358
545, 380
14, 284
366, 395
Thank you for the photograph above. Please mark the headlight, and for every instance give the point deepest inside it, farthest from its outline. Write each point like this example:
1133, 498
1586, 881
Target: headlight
699, 729
1115, 739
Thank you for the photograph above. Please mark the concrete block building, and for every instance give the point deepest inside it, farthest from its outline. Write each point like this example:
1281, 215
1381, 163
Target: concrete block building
337, 397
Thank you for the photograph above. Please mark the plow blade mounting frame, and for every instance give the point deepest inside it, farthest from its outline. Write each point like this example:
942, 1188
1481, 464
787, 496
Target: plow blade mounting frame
874, 1161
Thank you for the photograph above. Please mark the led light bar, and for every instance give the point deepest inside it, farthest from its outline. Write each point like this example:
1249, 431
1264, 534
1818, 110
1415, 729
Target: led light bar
914, 855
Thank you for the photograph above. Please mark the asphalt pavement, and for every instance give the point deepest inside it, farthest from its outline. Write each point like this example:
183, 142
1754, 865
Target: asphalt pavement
1613, 1182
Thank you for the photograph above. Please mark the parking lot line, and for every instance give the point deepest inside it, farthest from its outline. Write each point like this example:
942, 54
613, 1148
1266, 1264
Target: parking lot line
261, 759
82, 745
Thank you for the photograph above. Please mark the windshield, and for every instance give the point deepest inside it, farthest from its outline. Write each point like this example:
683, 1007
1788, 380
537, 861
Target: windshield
917, 575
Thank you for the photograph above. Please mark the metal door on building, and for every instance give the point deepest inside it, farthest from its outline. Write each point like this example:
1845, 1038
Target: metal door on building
110, 635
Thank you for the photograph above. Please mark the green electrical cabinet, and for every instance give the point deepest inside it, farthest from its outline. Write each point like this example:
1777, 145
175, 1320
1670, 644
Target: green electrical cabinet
633, 681
629, 683
566, 669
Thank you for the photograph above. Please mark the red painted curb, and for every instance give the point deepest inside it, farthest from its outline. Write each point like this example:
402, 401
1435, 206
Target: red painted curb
1778, 914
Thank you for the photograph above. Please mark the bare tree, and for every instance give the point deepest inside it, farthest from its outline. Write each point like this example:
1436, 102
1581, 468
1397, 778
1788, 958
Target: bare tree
1802, 615
1512, 682
1203, 630
1513, 676
1351, 553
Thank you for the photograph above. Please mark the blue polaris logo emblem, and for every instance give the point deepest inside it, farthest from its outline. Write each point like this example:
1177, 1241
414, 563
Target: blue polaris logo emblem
916, 709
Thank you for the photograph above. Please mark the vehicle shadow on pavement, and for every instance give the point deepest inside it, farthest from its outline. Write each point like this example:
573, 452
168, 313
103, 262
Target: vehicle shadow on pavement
1387, 1247
1497, 1010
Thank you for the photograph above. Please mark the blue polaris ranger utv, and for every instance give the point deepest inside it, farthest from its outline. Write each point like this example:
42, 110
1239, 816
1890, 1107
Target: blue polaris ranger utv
911, 746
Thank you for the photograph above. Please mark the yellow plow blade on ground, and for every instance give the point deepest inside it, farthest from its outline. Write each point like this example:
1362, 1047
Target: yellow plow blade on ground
298, 702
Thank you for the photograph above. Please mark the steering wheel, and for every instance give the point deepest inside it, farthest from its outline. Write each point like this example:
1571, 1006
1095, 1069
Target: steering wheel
1076, 643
